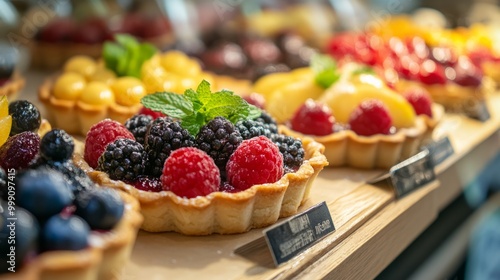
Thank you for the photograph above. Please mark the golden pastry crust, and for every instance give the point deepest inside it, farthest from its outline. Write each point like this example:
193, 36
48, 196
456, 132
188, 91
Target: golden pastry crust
104, 258
220, 212
12, 88
346, 148
76, 117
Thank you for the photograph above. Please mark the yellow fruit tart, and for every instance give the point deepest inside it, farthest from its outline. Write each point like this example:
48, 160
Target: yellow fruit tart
215, 165
361, 122
65, 226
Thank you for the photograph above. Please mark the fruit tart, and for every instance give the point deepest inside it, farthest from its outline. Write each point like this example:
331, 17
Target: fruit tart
361, 122
89, 90
452, 75
64, 225
215, 164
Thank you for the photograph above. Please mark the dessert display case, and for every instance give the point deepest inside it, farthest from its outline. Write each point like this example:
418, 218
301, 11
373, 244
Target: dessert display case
380, 199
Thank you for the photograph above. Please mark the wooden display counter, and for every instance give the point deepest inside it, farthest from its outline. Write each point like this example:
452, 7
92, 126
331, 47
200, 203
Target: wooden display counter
372, 227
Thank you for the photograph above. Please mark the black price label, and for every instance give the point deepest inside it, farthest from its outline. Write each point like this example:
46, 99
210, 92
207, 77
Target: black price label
478, 110
440, 150
412, 173
291, 237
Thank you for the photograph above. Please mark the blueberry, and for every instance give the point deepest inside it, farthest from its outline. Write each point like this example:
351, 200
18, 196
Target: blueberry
43, 192
21, 233
25, 117
101, 208
65, 233
3, 183
57, 145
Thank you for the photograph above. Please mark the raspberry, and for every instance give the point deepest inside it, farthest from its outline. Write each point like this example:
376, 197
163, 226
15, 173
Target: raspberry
19, 150
249, 129
99, 136
421, 101
292, 151
219, 139
138, 125
164, 136
255, 99
149, 112
255, 161
313, 118
370, 117
190, 172
122, 160
147, 184
57, 145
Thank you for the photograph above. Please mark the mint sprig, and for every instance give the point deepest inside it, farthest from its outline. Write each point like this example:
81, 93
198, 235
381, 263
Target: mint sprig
126, 56
325, 69
197, 108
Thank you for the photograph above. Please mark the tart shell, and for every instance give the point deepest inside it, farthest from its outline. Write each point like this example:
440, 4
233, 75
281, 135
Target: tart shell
77, 117
346, 148
220, 212
104, 258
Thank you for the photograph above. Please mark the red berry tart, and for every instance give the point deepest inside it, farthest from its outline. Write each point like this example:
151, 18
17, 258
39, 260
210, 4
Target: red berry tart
219, 166
361, 122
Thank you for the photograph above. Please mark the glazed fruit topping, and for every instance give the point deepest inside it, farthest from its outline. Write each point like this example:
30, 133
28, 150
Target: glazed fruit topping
64, 233
256, 161
57, 145
43, 192
123, 159
19, 150
148, 184
101, 208
370, 117
25, 117
190, 172
421, 101
99, 136
5, 120
313, 118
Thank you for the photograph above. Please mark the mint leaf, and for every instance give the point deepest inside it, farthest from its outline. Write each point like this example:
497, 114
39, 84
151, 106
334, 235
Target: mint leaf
325, 69
170, 104
363, 70
126, 56
197, 108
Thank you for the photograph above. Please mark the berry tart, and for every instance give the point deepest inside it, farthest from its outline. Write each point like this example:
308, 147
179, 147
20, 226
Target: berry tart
452, 75
361, 122
215, 164
67, 227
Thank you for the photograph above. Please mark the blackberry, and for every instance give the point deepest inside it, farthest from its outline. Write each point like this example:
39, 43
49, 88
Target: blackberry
25, 117
267, 119
292, 151
138, 125
251, 128
164, 136
219, 138
122, 160
78, 180
57, 145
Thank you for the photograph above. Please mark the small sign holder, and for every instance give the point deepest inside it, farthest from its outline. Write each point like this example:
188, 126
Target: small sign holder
289, 238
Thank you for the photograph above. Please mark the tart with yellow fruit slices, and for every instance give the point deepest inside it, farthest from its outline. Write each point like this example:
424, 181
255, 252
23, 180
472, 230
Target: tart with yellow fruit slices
361, 122
213, 166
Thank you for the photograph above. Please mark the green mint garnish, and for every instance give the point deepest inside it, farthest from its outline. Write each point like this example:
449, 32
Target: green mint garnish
197, 108
126, 56
325, 69
363, 70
